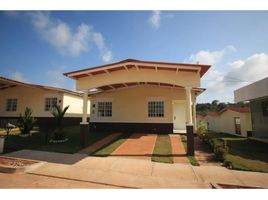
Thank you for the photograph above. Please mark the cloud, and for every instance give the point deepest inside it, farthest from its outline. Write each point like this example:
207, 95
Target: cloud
210, 57
55, 77
221, 84
66, 40
18, 76
155, 19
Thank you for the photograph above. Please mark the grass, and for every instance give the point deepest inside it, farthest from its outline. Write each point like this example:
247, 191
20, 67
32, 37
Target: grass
243, 153
37, 141
162, 150
112, 146
192, 159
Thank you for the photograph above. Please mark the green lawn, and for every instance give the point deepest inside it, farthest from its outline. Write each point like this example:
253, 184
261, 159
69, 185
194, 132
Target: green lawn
37, 141
112, 146
243, 153
162, 150
192, 159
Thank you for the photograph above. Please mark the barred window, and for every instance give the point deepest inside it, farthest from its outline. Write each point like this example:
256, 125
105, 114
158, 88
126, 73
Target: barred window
156, 109
105, 109
11, 104
50, 103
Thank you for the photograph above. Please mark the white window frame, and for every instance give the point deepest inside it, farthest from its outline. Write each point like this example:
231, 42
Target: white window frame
107, 109
153, 105
50, 107
13, 103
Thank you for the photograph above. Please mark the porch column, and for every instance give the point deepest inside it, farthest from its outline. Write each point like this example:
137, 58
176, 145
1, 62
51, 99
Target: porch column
84, 127
189, 119
85, 99
194, 115
189, 122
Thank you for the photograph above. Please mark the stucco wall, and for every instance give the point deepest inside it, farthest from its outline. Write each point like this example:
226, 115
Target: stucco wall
35, 99
75, 105
27, 96
143, 75
225, 122
260, 122
130, 105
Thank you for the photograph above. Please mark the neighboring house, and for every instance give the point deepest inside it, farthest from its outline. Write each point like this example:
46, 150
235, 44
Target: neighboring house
135, 95
15, 96
199, 118
257, 94
230, 120
211, 120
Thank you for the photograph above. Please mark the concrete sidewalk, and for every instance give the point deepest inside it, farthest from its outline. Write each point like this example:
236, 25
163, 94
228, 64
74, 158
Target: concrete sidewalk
136, 173
124, 172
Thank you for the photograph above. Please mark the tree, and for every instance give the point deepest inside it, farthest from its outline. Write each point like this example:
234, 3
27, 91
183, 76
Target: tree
58, 114
26, 122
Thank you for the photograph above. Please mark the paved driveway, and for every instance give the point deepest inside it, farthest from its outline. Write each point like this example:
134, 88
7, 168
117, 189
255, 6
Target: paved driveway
137, 145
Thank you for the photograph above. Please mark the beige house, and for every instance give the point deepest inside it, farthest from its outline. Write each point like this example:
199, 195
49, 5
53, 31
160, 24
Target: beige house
15, 96
230, 120
140, 95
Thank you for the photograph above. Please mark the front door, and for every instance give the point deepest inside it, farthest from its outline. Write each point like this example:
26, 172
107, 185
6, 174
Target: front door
237, 125
179, 116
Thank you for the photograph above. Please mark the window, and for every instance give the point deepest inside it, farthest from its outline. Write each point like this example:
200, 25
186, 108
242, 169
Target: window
105, 109
50, 103
11, 105
156, 109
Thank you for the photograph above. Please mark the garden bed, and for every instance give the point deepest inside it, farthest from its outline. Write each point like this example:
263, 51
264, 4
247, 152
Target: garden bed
13, 165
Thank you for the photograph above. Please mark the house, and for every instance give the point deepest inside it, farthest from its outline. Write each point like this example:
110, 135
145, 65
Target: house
211, 120
257, 94
15, 96
144, 96
200, 118
230, 120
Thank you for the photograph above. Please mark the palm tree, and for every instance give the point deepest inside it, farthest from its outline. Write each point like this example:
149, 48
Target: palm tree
26, 122
58, 114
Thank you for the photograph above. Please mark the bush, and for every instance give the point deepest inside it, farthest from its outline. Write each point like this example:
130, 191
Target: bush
26, 122
220, 149
202, 132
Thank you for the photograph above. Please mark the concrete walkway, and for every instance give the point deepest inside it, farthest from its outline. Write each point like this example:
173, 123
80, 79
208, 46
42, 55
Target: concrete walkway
129, 173
178, 151
137, 146
99, 144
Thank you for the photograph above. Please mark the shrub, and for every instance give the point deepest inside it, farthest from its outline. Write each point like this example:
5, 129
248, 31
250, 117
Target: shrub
26, 122
202, 132
58, 114
220, 149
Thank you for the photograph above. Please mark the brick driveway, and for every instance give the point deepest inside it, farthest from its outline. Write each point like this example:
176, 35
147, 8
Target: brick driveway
137, 146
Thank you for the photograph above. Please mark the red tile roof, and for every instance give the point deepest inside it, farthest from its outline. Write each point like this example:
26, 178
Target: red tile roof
240, 110
212, 114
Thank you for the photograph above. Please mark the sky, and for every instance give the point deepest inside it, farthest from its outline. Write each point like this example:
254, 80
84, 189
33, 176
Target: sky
38, 47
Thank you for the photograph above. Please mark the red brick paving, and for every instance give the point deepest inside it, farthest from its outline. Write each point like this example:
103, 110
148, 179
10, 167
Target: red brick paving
97, 145
137, 145
178, 151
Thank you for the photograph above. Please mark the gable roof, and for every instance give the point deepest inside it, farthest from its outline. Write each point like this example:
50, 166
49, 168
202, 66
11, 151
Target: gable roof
130, 63
9, 83
212, 114
239, 110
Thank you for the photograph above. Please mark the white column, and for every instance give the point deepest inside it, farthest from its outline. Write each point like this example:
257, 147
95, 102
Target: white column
194, 114
85, 100
189, 119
